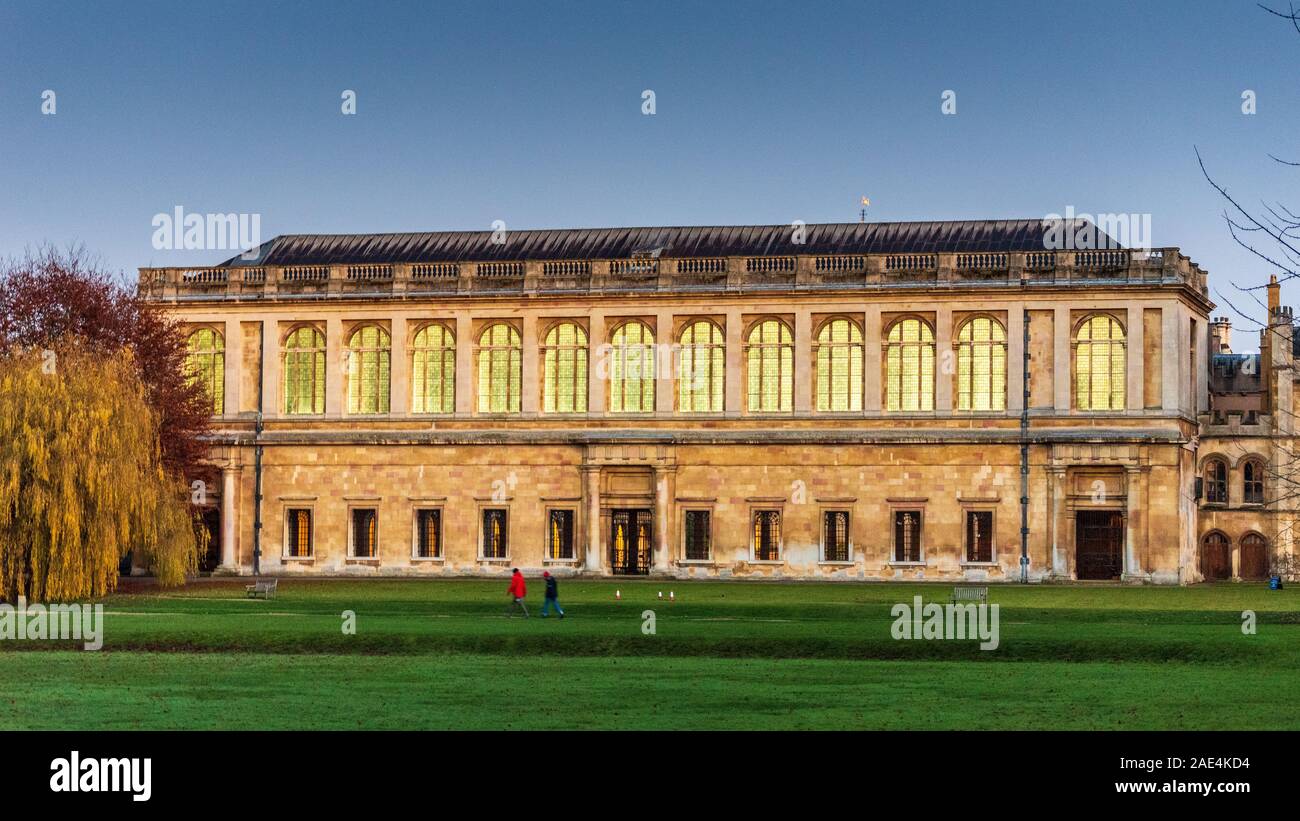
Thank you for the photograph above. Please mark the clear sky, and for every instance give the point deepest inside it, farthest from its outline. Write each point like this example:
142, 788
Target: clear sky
531, 113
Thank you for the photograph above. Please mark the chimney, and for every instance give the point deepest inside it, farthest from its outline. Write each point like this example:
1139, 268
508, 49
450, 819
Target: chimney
1274, 295
1221, 335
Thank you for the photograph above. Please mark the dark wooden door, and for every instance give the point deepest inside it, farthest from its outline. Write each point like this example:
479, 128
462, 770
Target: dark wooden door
1254, 557
210, 520
1099, 544
629, 542
1216, 557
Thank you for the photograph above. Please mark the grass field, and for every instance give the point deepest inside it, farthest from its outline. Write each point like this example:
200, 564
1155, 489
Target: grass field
747, 655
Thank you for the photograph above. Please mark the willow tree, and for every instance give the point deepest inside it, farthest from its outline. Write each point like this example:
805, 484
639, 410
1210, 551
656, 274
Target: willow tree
81, 478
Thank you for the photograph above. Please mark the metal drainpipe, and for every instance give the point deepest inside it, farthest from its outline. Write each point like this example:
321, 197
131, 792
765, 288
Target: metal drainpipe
1024, 457
257, 457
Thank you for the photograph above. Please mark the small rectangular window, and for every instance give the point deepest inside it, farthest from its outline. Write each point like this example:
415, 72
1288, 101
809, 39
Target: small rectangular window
767, 535
365, 535
428, 533
559, 540
698, 525
299, 535
907, 535
979, 535
835, 537
494, 533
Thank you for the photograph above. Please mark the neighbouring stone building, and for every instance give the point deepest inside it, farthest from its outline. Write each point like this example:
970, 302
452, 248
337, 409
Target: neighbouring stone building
729, 402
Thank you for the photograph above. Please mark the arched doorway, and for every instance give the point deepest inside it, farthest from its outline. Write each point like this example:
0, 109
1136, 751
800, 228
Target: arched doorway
1254, 557
1216, 556
209, 519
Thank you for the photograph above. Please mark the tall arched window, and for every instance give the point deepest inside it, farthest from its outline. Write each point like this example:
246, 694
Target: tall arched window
909, 366
1216, 482
205, 362
839, 366
369, 366
982, 365
500, 374
1099, 369
632, 369
701, 368
1252, 476
769, 359
564, 369
304, 371
433, 370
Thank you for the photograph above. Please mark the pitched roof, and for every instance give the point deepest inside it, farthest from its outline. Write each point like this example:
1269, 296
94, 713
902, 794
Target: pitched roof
677, 242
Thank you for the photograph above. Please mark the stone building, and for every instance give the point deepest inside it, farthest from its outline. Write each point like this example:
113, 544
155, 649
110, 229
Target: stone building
846, 401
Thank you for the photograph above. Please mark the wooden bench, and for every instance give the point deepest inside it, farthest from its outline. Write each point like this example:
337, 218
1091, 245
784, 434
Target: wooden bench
262, 587
970, 594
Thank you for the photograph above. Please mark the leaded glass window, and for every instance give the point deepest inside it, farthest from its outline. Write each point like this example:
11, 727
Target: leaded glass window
909, 366
701, 370
982, 365
205, 363
304, 372
839, 366
369, 365
632, 369
769, 353
1099, 364
433, 370
500, 360
564, 369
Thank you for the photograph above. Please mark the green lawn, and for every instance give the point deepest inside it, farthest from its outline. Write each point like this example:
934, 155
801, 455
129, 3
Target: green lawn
442, 654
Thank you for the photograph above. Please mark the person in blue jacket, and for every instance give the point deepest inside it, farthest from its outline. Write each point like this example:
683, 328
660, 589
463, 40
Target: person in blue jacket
552, 595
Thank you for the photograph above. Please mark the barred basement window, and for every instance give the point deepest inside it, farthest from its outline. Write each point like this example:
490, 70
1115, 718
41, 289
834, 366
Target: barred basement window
1252, 474
1216, 482
494, 533
632, 369
982, 365
767, 535
699, 526
909, 366
769, 354
701, 370
1099, 364
428, 533
369, 368
835, 538
433, 370
304, 372
205, 363
979, 535
559, 541
564, 369
907, 535
365, 533
298, 538
839, 366
500, 374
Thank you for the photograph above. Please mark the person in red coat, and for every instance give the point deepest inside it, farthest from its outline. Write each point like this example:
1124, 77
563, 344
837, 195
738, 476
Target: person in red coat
518, 590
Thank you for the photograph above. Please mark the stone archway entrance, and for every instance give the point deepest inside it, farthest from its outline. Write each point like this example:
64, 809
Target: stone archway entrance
1216, 557
1254, 557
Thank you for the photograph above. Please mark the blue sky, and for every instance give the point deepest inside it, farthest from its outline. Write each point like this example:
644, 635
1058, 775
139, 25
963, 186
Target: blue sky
531, 113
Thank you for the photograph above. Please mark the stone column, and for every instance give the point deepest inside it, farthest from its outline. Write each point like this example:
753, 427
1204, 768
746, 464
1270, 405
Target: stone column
664, 364
1063, 377
663, 541
234, 355
530, 401
1201, 379
334, 370
1135, 359
1170, 359
464, 364
271, 400
1015, 358
229, 494
945, 360
1134, 516
1058, 519
803, 365
598, 367
735, 356
595, 540
871, 359
399, 370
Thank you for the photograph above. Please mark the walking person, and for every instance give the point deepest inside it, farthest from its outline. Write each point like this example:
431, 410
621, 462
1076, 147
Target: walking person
517, 591
552, 595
